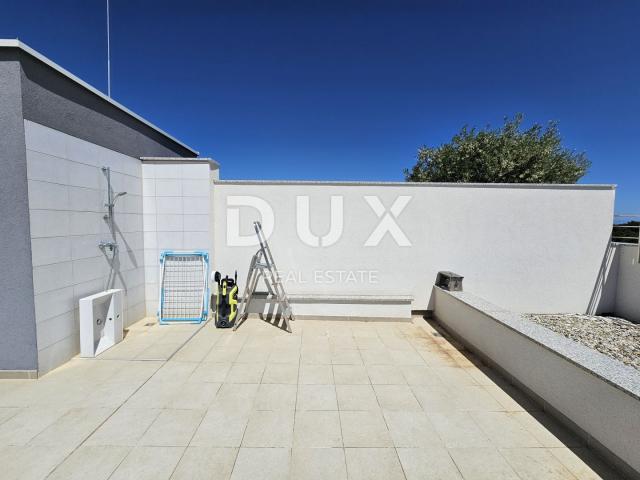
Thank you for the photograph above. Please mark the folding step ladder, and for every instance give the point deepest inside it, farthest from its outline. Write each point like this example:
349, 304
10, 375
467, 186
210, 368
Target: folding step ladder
262, 264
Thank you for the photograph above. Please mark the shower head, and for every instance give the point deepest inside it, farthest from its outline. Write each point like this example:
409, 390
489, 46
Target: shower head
119, 194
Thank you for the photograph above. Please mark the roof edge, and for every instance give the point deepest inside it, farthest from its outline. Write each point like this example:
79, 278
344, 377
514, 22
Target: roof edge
14, 43
550, 186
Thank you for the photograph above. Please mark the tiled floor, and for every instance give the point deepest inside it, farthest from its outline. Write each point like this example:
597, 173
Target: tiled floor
333, 400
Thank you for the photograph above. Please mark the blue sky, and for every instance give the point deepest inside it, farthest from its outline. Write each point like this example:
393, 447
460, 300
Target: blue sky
344, 91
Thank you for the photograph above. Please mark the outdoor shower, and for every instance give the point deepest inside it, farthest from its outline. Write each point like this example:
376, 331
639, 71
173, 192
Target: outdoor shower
112, 245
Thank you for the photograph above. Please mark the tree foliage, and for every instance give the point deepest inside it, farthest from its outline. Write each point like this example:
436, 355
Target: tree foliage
504, 155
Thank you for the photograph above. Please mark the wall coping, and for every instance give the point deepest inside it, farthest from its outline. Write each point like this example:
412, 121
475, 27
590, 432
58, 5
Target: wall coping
614, 372
212, 163
537, 186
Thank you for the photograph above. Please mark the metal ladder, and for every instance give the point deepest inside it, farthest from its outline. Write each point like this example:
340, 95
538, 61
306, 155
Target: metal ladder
262, 263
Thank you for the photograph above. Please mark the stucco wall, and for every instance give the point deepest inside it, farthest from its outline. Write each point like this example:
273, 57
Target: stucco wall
17, 318
530, 248
67, 196
628, 283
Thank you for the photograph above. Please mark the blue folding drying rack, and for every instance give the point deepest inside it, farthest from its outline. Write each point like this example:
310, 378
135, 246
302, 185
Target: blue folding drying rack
184, 291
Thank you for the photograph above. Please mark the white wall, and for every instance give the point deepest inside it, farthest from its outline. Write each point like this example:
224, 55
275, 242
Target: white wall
531, 248
67, 193
628, 283
176, 214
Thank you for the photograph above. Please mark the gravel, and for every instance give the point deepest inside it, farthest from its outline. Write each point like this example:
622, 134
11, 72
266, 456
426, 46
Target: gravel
615, 337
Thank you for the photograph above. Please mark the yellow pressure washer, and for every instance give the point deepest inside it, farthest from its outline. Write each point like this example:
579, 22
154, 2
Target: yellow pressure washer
226, 300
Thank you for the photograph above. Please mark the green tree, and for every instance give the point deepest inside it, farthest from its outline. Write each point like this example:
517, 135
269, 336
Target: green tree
504, 155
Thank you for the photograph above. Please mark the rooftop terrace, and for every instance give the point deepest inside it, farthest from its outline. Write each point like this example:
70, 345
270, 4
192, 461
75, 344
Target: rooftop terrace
357, 400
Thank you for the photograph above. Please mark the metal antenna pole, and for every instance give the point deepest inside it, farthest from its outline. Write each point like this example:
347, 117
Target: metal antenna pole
108, 55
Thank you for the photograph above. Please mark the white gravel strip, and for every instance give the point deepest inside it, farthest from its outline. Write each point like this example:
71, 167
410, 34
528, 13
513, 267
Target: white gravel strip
612, 336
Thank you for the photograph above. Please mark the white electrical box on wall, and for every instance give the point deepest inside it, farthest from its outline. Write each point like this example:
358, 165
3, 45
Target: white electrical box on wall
101, 322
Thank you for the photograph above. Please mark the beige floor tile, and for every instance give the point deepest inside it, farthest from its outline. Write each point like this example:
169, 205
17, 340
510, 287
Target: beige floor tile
222, 355
72, 428
512, 399
245, 373
318, 464
432, 463
356, 397
420, 375
205, 463
285, 355
7, 412
154, 394
454, 376
316, 375
317, 429
109, 395
458, 430
210, 372
373, 464
30, 462
281, 373
341, 356
125, 427
317, 397
434, 398
385, 375
364, 429
396, 397
350, 375
411, 429
149, 463
172, 428
546, 430
482, 464
405, 356
583, 464
503, 430
254, 354
269, 429
240, 396
194, 396
262, 463
221, 426
94, 462
276, 397
535, 464
174, 372
376, 356
315, 355
28, 423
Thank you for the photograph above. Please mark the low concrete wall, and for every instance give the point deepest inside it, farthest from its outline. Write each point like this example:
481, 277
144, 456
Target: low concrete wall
597, 396
532, 248
628, 283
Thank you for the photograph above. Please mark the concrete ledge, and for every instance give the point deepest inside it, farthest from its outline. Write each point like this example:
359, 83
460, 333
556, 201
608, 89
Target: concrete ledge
596, 396
351, 307
18, 374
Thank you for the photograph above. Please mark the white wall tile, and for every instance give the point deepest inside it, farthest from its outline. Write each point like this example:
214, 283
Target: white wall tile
45, 251
87, 200
49, 223
44, 139
55, 329
46, 195
85, 223
58, 353
151, 257
194, 170
196, 223
196, 205
168, 170
169, 205
170, 223
92, 268
81, 151
88, 176
47, 168
150, 240
196, 241
53, 303
170, 241
51, 277
169, 188
148, 187
149, 223
196, 188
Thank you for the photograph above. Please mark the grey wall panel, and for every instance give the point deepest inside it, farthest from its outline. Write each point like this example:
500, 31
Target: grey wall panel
53, 100
18, 349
